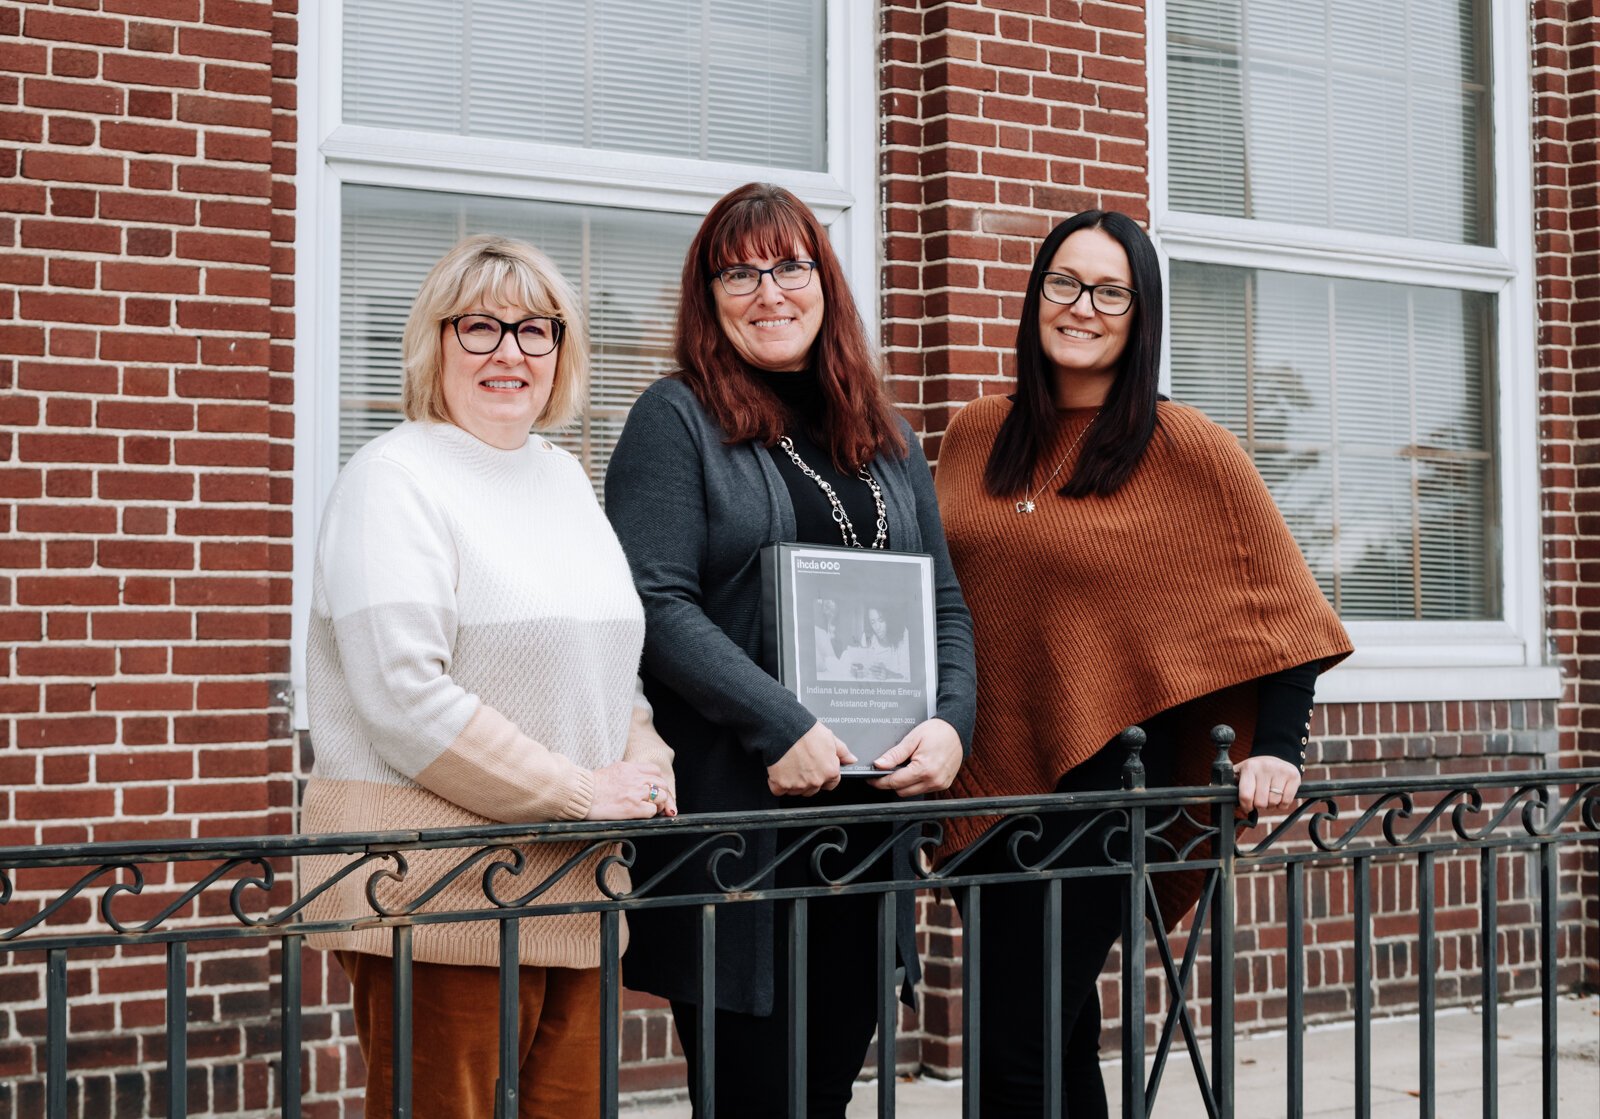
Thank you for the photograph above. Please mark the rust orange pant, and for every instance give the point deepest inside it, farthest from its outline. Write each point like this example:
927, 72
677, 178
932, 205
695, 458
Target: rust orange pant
455, 1040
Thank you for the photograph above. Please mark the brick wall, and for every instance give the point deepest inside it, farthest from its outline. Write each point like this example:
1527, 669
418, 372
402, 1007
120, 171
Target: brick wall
1566, 114
146, 286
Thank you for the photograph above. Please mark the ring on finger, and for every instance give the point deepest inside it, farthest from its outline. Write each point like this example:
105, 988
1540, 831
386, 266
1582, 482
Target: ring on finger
655, 791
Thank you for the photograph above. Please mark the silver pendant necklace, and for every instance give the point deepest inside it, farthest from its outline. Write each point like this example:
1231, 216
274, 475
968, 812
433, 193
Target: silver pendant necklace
840, 517
1026, 505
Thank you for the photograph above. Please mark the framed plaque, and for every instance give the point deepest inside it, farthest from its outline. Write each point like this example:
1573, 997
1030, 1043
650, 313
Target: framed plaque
850, 632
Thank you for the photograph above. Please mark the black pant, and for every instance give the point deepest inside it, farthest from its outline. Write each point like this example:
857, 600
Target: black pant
1011, 1058
752, 1069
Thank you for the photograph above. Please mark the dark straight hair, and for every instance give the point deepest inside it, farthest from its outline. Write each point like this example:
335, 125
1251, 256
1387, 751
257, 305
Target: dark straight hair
1115, 444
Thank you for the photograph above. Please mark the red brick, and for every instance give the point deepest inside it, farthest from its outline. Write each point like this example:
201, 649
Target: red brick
67, 378
220, 797
146, 695
21, 128
154, 37
96, 30
146, 450
54, 447
62, 555
162, 348
72, 236
69, 483
117, 486
222, 591
148, 554
78, 97
15, 268
144, 732
69, 590
235, 215
135, 69
195, 108
123, 136
191, 729
203, 43
229, 660
17, 340
222, 452
72, 274
224, 247
32, 733
143, 765
67, 805
65, 203
234, 487
249, 81
144, 416
62, 661
178, 279
19, 699
21, 483
231, 147
122, 205
149, 242
71, 132
60, 307
228, 386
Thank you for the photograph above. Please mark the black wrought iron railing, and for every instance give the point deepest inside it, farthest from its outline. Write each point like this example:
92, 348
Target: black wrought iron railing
72, 904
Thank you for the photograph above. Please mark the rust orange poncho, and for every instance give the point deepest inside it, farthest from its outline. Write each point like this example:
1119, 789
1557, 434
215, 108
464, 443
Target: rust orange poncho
1092, 614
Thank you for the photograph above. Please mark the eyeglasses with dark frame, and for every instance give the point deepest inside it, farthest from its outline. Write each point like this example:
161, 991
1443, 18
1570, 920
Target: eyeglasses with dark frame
535, 335
745, 279
1108, 299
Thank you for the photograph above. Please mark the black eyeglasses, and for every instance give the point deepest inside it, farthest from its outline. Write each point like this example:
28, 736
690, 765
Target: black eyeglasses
743, 279
1108, 299
536, 335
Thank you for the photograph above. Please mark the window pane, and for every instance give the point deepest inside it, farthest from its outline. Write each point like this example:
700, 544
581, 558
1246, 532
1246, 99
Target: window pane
625, 265
1363, 115
1366, 407
706, 79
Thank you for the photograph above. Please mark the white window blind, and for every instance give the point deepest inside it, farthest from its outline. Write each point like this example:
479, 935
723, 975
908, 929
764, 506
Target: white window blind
1366, 408
1361, 115
624, 264
701, 79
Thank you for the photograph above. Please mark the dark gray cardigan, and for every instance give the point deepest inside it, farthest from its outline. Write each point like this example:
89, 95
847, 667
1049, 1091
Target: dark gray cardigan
692, 513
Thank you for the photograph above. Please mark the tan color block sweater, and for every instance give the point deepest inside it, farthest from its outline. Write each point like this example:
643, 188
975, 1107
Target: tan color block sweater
1092, 614
473, 657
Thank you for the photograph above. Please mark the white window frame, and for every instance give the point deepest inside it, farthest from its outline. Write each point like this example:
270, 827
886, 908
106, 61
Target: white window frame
332, 154
1420, 661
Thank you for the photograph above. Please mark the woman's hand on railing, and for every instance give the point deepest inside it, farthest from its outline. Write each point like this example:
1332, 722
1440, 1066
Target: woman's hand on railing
924, 761
632, 791
1266, 782
810, 765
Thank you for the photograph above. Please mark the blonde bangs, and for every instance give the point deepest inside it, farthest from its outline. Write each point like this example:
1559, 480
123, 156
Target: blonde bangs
479, 271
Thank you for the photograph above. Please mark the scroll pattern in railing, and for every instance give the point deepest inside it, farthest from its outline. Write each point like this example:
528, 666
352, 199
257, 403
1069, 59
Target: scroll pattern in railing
241, 892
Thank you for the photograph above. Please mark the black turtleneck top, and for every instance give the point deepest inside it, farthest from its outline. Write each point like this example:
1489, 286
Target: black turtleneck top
801, 395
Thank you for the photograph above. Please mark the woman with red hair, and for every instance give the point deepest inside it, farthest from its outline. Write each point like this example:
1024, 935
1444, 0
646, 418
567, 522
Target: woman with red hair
775, 427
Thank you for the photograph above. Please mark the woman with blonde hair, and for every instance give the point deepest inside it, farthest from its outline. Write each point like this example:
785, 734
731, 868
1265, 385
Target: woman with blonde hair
473, 657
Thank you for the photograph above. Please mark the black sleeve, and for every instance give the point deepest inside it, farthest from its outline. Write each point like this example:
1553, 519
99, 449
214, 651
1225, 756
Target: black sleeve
1283, 720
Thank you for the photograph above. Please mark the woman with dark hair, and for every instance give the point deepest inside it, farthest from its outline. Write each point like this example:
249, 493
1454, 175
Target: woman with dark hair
775, 427
1176, 600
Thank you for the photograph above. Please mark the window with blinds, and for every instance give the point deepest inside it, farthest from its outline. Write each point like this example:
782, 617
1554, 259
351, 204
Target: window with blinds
624, 265
1366, 407
1363, 115
701, 79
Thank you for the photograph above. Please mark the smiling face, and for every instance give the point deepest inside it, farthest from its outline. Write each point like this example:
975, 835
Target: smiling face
772, 328
1083, 345
495, 396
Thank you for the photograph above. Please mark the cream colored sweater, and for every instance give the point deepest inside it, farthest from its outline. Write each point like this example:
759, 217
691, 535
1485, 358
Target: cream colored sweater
473, 656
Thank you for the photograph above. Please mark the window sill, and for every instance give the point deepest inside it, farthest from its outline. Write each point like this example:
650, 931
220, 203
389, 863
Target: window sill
1357, 684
